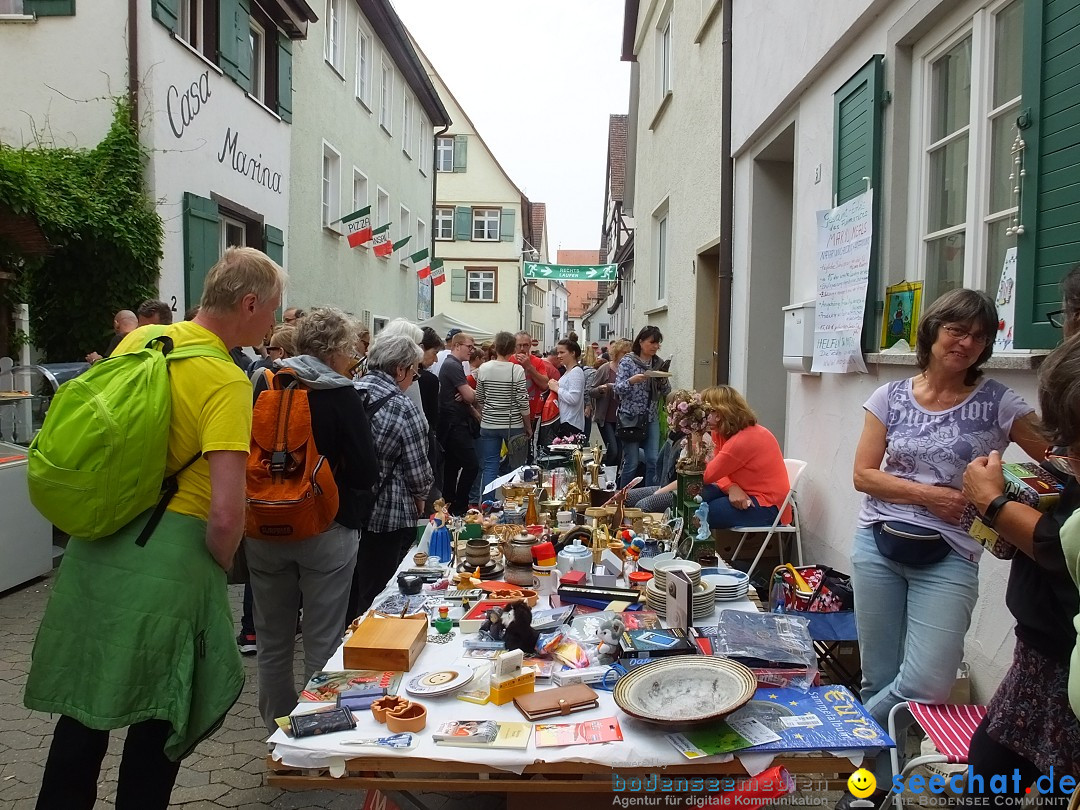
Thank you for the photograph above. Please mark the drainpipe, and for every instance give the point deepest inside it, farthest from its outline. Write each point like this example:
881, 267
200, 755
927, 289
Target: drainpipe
434, 201
727, 206
133, 60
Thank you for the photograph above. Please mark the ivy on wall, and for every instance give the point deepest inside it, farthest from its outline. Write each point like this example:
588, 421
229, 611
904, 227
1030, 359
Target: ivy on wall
105, 235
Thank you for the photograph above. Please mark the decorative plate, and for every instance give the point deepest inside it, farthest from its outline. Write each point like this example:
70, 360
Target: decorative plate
685, 689
439, 682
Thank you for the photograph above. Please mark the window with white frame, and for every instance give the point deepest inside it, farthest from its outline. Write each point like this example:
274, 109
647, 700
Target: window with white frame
331, 184
386, 95
233, 233
382, 209
485, 224
422, 154
537, 332
421, 236
257, 41
406, 122
446, 155
404, 228
661, 257
363, 66
359, 190
969, 82
334, 37
481, 285
664, 56
444, 223
191, 23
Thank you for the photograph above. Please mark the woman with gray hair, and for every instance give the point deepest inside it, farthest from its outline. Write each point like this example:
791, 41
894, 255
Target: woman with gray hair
400, 326
915, 570
401, 445
318, 569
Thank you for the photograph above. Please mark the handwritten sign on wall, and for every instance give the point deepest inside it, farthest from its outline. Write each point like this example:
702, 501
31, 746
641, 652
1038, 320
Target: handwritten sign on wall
844, 236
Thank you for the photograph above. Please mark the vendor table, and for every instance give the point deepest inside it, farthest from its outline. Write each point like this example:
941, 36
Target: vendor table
526, 775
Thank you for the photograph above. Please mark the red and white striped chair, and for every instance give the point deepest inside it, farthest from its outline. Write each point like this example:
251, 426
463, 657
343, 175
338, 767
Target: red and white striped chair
949, 726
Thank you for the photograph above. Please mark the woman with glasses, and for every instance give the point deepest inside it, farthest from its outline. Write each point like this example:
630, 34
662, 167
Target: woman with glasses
915, 569
1029, 725
318, 569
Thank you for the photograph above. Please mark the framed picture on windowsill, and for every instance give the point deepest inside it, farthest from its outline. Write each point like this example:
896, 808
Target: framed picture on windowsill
903, 305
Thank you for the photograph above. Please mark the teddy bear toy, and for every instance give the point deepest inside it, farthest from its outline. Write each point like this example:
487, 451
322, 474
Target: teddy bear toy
609, 635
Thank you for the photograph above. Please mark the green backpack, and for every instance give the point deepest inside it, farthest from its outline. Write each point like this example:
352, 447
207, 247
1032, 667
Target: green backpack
99, 459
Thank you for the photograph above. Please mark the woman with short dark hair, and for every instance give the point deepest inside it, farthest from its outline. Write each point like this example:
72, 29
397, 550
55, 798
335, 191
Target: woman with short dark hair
570, 388
639, 390
915, 569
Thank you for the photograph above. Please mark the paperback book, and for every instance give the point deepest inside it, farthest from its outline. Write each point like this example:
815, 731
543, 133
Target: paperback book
331, 686
722, 738
483, 734
550, 735
655, 643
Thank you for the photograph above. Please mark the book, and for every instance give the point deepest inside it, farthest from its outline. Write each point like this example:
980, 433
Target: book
1028, 483
823, 717
655, 643
721, 738
330, 686
606, 729
550, 618
483, 734
680, 596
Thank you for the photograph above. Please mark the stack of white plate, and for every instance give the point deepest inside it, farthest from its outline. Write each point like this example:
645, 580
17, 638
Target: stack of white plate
660, 571
729, 584
704, 599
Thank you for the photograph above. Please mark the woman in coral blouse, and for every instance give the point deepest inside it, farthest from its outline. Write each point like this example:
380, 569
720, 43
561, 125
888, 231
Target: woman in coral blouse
746, 481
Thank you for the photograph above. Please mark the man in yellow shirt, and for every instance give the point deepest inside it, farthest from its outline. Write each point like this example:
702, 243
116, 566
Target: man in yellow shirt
141, 636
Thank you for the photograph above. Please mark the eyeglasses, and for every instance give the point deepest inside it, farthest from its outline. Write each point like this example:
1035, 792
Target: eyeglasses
959, 333
1066, 463
1056, 318
415, 376
274, 350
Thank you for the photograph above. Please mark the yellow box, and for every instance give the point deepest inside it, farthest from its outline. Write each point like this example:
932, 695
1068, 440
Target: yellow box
523, 684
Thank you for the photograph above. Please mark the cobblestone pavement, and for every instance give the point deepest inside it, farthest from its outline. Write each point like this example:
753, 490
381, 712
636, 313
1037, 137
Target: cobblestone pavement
226, 771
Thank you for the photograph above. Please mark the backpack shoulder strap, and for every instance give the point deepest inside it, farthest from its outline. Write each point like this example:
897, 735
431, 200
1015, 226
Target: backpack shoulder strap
373, 408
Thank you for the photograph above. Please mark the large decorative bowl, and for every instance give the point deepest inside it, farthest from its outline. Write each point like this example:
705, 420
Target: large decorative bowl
685, 689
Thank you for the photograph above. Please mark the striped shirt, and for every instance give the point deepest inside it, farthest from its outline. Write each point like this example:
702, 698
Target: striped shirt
502, 395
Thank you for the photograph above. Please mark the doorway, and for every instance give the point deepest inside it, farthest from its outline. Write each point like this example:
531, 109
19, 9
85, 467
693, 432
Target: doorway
769, 288
707, 267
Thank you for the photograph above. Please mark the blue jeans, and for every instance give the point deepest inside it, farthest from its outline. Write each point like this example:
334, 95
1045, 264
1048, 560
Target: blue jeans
631, 454
912, 620
722, 515
611, 443
490, 446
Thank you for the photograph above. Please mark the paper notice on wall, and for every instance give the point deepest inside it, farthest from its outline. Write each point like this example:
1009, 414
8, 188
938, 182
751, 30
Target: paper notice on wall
1006, 304
844, 236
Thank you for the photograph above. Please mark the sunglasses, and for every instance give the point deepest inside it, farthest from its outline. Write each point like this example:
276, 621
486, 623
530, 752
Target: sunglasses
1056, 318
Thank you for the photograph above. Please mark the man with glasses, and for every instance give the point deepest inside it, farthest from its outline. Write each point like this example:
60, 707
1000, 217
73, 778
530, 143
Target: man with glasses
292, 315
457, 414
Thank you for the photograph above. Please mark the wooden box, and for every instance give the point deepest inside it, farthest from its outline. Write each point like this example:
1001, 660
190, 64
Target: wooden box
386, 643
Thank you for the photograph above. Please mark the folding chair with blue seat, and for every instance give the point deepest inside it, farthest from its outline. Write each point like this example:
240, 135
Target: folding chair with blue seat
794, 471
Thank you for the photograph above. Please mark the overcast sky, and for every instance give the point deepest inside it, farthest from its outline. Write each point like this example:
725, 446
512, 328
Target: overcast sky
539, 81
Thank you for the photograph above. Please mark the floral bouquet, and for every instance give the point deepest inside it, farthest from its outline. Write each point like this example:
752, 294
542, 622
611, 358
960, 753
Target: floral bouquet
689, 415
576, 439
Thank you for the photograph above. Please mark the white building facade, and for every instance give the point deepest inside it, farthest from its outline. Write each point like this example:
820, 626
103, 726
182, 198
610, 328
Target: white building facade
363, 136
213, 94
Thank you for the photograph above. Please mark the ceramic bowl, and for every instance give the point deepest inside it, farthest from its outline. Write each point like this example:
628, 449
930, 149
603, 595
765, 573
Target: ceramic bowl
685, 689
649, 563
386, 704
410, 717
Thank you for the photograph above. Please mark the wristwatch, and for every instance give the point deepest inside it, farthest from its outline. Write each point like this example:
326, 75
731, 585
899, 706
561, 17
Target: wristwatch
990, 516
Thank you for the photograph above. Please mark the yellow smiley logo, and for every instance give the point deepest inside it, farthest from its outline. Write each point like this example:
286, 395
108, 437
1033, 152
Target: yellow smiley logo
861, 783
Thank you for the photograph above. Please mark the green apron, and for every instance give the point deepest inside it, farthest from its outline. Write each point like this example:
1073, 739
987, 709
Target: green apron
138, 633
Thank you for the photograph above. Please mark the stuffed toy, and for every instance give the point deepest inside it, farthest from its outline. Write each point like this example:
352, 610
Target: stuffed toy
493, 628
609, 635
520, 634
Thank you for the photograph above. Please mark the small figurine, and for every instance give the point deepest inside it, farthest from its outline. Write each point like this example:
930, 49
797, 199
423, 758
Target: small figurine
441, 543
493, 628
609, 635
520, 634
634, 545
701, 517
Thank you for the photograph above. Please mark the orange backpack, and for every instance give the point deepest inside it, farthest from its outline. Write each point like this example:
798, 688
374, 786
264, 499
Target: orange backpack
291, 492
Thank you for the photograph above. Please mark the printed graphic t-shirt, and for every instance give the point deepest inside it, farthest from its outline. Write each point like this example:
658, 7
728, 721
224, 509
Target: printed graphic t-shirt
935, 447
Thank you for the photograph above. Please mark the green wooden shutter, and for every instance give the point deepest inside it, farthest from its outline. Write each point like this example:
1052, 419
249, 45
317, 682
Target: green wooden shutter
234, 48
274, 244
1050, 198
202, 241
284, 77
857, 155
166, 12
463, 223
457, 284
56, 8
461, 152
506, 225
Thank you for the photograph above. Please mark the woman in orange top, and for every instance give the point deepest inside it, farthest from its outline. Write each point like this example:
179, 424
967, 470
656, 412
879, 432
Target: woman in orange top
746, 481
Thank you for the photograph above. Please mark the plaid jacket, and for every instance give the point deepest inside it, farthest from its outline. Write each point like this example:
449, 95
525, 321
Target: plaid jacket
401, 444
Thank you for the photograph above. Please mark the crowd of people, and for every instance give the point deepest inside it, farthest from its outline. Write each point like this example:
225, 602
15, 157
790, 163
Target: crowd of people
408, 416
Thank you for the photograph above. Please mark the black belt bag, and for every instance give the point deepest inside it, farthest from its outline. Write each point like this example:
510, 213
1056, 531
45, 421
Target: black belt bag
910, 544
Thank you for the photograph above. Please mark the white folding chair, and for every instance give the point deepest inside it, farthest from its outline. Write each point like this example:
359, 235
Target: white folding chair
794, 471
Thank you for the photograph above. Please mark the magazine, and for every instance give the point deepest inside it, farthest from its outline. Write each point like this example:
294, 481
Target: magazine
483, 734
329, 686
722, 738
606, 729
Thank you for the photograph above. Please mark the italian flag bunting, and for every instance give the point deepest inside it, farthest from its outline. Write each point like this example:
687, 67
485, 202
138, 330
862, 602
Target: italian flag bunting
438, 274
381, 240
400, 243
358, 226
420, 260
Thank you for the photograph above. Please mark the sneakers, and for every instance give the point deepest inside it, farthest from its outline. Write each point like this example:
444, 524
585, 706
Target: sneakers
874, 800
246, 643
